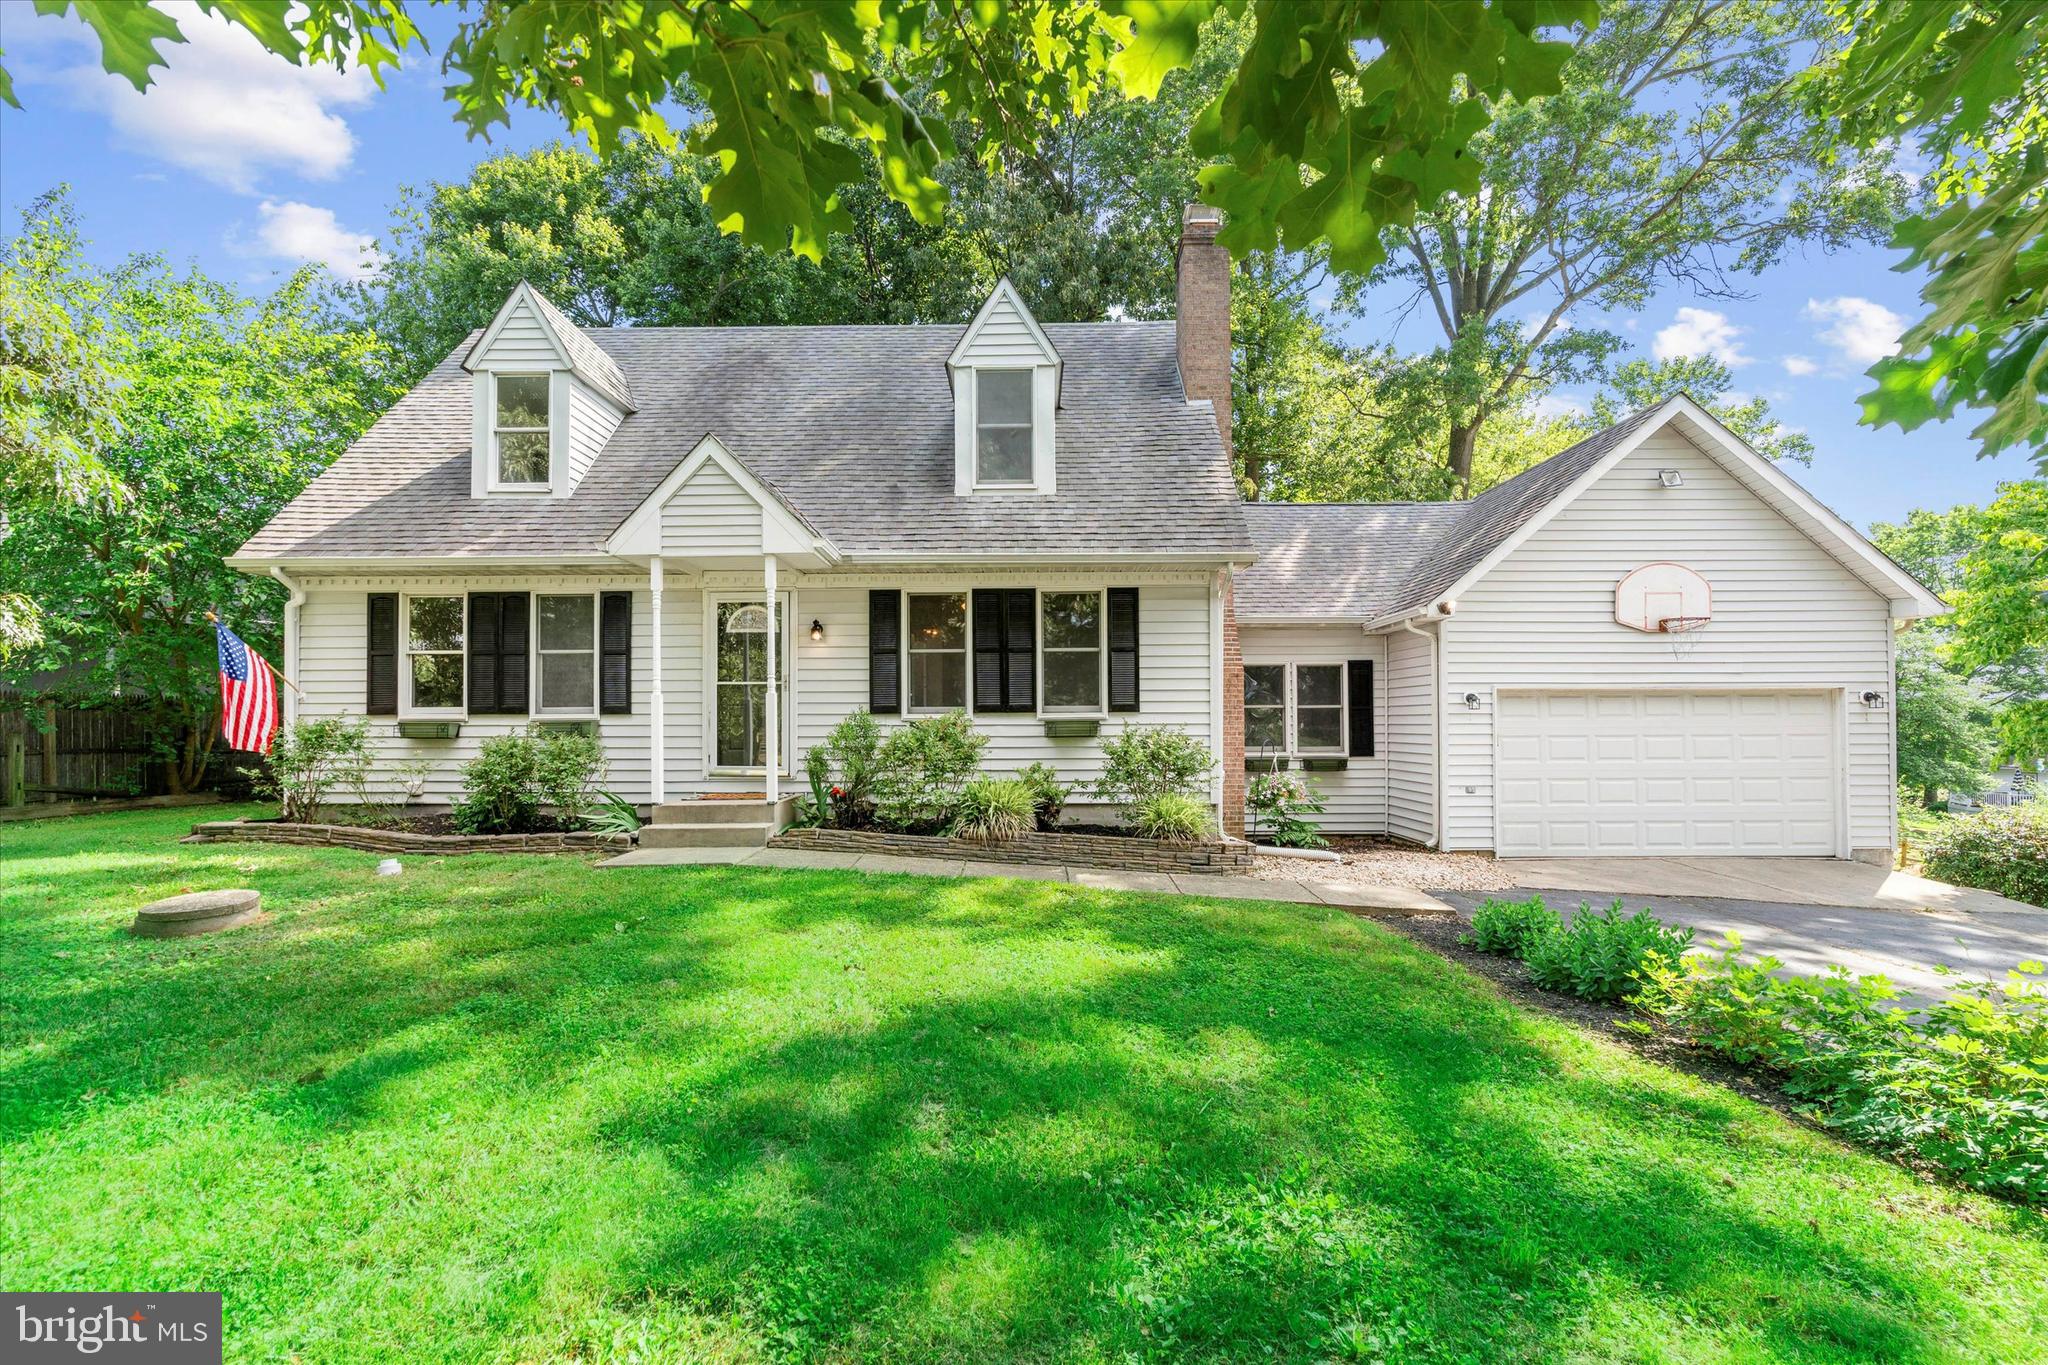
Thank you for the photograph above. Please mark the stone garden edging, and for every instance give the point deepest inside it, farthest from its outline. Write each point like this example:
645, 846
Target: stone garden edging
1118, 852
400, 841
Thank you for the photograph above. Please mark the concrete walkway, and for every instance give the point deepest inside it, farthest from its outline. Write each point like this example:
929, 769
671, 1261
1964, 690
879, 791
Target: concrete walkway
1780, 881
1378, 900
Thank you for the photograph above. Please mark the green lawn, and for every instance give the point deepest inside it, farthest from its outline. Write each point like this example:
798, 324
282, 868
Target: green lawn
513, 1108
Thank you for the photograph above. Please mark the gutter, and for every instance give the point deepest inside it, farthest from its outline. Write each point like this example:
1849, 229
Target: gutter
292, 604
1436, 701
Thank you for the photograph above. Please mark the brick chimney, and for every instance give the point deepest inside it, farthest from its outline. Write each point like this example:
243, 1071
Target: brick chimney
1201, 298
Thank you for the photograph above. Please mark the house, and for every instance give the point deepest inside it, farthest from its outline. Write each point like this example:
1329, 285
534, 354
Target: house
1039, 523
2010, 785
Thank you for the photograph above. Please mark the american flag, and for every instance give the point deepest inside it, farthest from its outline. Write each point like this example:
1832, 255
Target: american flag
248, 695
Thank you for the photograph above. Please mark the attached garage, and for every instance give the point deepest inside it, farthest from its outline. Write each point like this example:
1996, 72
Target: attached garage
1648, 773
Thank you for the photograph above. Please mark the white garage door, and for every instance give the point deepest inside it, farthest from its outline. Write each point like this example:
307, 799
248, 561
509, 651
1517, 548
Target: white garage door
1619, 773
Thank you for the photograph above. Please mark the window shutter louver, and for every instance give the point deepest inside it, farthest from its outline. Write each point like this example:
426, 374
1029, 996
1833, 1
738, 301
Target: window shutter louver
988, 650
1123, 649
615, 653
1360, 707
483, 653
381, 697
1020, 638
885, 652
512, 653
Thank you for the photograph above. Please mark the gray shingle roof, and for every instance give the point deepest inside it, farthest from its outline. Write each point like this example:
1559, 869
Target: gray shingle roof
1371, 561
1342, 561
852, 425
586, 357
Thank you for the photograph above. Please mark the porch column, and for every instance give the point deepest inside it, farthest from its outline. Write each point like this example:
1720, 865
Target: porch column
773, 706
658, 778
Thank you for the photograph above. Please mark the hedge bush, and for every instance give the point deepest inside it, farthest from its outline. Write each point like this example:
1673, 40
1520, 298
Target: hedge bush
1601, 955
1962, 1086
1509, 927
2002, 849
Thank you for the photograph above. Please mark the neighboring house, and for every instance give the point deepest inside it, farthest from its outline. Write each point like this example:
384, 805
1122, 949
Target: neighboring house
2010, 785
1039, 523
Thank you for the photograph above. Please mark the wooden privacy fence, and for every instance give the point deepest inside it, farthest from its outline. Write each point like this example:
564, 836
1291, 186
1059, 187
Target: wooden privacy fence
56, 753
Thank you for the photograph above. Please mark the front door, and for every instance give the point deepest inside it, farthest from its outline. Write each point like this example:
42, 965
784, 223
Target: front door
742, 683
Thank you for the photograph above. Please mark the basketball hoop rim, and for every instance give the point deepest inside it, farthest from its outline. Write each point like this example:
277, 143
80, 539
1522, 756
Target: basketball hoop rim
1679, 625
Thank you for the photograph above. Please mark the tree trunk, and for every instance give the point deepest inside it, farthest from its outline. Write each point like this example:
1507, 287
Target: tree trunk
1464, 441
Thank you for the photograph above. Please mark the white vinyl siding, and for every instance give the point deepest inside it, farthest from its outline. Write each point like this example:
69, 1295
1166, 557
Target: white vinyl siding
592, 420
829, 678
1786, 615
523, 342
1005, 339
1410, 750
1356, 796
711, 515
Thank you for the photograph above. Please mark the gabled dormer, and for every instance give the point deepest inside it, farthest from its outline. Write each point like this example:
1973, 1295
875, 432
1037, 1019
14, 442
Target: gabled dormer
546, 397
1006, 389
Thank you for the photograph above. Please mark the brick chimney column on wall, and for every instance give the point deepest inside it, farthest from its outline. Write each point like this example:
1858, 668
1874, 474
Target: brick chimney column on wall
1202, 335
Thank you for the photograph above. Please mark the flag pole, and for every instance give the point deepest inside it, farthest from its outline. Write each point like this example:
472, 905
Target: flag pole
214, 620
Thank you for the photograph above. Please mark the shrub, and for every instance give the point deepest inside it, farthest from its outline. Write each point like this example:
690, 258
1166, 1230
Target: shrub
2002, 849
1048, 794
920, 769
1174, 816
853, 752
514, 776
1602, 956
614, 814
1964, 1087
1509, 927
993, 808
311, 758
1278, 801
1152, 760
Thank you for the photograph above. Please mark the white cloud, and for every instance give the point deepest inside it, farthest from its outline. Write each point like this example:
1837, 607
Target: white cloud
1798, 365
1700, 331
227, 109
1863, 331
1559, 405
297, 232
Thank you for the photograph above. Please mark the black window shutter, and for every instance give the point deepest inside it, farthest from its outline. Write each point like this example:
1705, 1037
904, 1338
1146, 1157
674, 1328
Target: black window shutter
1123, 649
615, 653
1360, 707
885, 652
381, 698
1020, 637
988, 650
483, 653
512, 653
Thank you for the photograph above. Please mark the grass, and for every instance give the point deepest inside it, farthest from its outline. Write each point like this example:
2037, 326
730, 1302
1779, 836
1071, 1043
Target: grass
507, 1108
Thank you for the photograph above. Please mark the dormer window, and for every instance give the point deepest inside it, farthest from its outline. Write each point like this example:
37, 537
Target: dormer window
1002, 426
519, 433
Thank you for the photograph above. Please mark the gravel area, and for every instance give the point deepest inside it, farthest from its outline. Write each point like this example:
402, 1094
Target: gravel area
1386, 865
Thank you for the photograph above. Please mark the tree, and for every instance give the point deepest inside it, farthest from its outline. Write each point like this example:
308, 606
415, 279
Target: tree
1947, 737
2001, 601
1641, 384
1679, 150
1969, 83
60, 397
1341, 118
231, 405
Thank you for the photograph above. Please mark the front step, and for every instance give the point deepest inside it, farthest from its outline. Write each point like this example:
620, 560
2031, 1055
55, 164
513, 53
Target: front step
706, 836
716, 824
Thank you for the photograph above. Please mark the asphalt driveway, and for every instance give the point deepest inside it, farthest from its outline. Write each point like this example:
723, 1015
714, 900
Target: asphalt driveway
1903, 945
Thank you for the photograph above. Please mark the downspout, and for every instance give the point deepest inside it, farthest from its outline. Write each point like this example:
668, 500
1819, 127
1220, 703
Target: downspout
1436, 710
292, 603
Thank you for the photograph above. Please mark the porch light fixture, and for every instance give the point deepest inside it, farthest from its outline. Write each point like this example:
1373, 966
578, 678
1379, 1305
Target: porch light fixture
817, 632
1671, 478
1874, 700
1471, 701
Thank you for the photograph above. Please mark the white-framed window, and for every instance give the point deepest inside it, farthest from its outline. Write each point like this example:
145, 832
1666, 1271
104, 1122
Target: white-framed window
520, 454
565, 648
434, 639
1071, 649
1295, 708
935, 640
1002, 426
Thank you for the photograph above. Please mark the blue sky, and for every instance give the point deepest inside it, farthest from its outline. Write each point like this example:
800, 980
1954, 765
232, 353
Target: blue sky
249, 166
